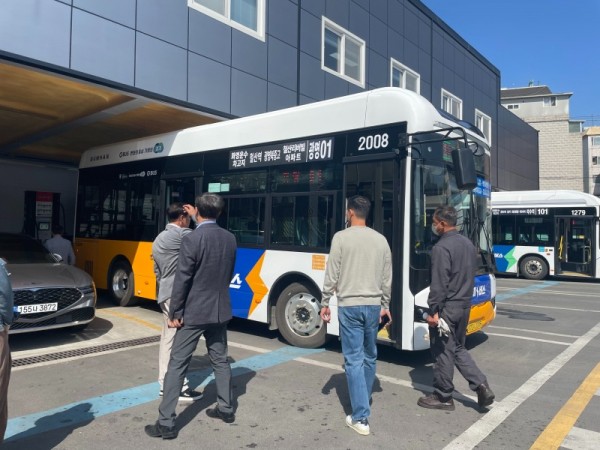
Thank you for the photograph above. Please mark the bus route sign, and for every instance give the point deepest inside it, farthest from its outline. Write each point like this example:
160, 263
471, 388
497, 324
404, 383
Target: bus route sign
284, 153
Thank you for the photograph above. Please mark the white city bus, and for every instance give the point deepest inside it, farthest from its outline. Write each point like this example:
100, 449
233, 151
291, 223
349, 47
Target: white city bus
546, 233
285, 176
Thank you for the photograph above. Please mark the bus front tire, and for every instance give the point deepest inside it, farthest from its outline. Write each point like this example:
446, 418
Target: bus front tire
120, 284
534, 268
298, 317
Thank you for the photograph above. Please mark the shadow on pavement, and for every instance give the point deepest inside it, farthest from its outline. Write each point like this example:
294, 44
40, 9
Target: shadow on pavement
49, 431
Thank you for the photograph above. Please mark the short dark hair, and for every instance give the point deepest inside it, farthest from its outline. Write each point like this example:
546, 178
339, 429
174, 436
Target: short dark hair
446, 214
175, 210
210, 205
57, 229
360, 205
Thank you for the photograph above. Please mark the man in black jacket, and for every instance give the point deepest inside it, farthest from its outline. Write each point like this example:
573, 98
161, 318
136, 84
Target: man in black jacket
200, 305
453, 265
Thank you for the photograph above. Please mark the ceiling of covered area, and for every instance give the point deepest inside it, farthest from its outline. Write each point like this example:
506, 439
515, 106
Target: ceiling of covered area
47, 117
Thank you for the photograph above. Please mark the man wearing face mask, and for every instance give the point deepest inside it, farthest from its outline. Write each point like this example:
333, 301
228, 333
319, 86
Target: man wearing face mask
453, 265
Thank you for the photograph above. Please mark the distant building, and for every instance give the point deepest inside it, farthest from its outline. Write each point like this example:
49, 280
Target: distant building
591, 160
561, 164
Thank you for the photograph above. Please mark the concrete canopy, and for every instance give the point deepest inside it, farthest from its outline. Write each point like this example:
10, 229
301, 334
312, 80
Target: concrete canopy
51, 118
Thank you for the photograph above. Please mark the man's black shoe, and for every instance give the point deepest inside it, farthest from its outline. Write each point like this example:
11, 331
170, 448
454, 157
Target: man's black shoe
215, 413
485, 396
158, 430
432, 402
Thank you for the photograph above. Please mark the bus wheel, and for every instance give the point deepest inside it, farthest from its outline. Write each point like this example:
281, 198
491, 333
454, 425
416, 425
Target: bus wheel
298, 317
120, 284
534, 268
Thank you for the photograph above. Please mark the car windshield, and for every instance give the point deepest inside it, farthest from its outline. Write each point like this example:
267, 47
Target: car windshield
23, 250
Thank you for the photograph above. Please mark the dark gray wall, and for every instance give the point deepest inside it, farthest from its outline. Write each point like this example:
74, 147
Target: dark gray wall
165, 49
515, 165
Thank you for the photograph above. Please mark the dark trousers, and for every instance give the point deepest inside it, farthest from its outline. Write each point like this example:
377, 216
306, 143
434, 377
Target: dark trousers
184, 345
450, 351
5, 364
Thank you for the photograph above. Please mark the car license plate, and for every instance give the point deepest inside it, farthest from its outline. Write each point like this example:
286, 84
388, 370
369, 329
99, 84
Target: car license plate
40, 308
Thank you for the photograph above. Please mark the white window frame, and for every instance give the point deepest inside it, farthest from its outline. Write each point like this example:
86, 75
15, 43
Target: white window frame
397, 65
487, 133
344, 35
548, 101
261, 9
452, 98
595, 141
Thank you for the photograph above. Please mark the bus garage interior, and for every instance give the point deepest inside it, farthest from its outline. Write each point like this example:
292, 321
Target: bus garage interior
47, 121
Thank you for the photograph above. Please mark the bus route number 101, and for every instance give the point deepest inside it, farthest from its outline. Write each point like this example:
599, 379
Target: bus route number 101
320, 150
373, 142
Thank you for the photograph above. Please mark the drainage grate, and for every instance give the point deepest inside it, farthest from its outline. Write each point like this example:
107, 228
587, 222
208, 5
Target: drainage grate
84, 351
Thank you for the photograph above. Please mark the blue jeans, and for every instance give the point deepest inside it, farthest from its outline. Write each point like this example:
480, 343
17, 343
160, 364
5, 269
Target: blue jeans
358, 330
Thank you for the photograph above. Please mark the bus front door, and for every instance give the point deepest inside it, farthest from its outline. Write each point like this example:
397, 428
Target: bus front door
377, 182
575, 246
175, 190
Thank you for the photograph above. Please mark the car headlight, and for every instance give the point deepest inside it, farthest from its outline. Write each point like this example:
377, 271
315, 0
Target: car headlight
88, 290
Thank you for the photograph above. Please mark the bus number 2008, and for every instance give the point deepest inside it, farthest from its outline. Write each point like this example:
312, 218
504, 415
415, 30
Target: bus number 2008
373, 142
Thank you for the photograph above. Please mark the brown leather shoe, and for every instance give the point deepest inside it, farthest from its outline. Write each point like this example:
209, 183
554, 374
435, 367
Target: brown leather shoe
433, 402
485, 396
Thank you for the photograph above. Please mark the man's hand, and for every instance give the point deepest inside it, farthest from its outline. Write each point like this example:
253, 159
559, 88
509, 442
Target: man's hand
433, 320
191, 210
325, 314
175, 323
385, 313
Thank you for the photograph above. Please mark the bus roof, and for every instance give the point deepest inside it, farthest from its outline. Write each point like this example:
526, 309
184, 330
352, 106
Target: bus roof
551, 198
365, 109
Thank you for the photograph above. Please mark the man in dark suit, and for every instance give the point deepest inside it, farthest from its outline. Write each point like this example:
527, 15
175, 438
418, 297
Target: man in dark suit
200, 305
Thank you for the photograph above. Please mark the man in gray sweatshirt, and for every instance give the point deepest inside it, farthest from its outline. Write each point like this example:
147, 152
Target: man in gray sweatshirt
359, 272
165, 253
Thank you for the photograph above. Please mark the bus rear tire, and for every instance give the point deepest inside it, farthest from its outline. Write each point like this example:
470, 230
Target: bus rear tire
120, 284
298, 317
533, 268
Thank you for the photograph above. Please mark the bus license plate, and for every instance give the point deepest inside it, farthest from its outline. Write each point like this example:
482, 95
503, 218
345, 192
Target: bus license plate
33, 309
474, 326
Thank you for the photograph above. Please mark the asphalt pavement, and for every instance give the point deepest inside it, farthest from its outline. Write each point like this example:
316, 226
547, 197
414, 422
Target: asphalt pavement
97, 388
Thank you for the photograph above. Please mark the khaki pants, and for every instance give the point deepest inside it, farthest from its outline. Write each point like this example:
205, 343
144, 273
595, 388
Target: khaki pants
166, 344
5, 364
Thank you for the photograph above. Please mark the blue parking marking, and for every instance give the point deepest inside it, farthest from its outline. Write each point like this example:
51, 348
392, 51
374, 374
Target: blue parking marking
87, 410
527, 290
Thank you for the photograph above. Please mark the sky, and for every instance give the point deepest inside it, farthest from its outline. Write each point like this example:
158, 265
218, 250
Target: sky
550, 42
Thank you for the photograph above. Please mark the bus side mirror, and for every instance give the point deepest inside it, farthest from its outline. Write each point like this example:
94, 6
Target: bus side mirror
464, 167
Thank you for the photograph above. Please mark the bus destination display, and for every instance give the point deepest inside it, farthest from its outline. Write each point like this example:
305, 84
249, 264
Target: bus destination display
284, 153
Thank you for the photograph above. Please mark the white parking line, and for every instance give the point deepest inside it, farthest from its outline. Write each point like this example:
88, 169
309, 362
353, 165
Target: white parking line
544, 292
527, 338
580, 439
526, 330
488, 423
549, 307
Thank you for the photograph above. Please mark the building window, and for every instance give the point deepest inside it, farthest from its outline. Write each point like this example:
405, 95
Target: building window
245, 15
402, 76
596, 141
513, 106
550, 101
343, 53
595, 160
484, 123
451, 104
575, 127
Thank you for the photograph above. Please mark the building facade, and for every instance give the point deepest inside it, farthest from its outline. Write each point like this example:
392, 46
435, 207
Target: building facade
232, 58
561, 163
591, 160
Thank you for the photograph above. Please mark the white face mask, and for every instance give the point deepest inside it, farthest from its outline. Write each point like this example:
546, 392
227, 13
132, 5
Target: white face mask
434, 230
